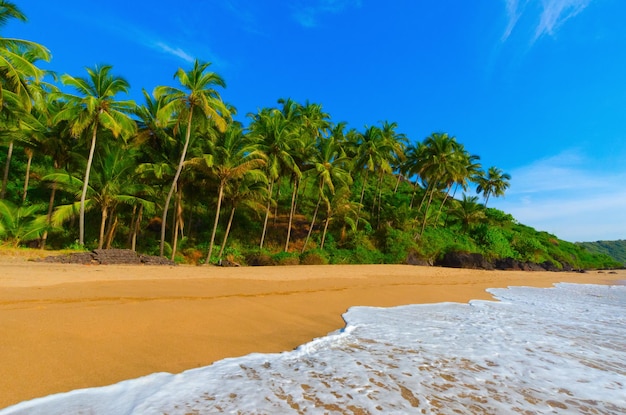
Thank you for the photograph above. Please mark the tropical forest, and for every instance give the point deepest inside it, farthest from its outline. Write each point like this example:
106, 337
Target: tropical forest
182, 175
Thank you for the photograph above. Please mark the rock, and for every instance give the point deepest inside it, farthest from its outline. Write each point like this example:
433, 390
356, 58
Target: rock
108, 257
464, 260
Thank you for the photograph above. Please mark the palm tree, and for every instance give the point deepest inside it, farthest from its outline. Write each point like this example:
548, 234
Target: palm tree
250, 190
114, 182
18, 59
197, 100
495, 183
468, 212
275, 137
328, 171
232, 157
92, 109
440, 166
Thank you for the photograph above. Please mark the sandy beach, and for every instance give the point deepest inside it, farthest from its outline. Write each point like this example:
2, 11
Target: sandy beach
74, 326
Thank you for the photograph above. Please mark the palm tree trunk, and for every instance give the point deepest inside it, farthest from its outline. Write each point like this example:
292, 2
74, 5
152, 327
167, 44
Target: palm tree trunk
395, 189
358, 214
317, 206
44, 237
230, 222
178, 221
413, 195
5, 178
83, 195
103, 221
220, 195
133, 243
29, 152
291, 211
267, 212
328, 213
441, 207
175, 181
111, 233
430, 200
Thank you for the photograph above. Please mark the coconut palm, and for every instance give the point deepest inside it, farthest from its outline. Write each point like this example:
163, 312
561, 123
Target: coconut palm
275, 138
18, 59
468, 212
328, 170
231, 158
195, 103
114, 182
495, 183
94, 108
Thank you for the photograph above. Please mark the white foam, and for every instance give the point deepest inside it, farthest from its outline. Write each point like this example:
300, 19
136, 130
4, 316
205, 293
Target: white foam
559, 350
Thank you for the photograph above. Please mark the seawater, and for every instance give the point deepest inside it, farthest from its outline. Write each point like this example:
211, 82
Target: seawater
560, 350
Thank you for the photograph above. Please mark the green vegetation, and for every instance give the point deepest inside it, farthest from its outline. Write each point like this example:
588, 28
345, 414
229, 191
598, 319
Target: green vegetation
614, 249
178, 176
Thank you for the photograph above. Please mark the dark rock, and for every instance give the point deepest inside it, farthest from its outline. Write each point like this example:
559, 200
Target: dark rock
108, 257
464, 260
228, 263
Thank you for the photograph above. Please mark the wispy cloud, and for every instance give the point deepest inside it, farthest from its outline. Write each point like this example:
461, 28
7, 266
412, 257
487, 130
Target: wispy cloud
307, 15
177, 52
548, 16
565, 195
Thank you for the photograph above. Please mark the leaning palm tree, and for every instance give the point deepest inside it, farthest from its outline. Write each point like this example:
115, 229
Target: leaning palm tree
114, 182
94, 108
197, 101
329, 172
232, 157
275, 136
495, 183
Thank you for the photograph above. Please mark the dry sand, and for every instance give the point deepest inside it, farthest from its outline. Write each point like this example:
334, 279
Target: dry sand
65, 327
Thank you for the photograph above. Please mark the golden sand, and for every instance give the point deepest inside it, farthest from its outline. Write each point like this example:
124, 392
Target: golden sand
65, 327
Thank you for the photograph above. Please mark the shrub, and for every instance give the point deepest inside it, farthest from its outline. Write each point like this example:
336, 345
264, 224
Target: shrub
286, 258
314, 257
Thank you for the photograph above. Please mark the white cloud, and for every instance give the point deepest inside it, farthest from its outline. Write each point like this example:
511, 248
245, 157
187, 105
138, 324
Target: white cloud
307, 15
557, 12
177, 52
565, 195
549, 14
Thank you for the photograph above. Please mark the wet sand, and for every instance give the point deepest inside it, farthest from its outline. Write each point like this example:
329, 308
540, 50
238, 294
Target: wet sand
74, 326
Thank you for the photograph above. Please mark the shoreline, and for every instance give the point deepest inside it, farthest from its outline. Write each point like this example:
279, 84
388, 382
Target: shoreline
69, 326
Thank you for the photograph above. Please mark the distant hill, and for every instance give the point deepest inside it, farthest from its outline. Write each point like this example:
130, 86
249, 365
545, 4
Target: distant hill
614, 249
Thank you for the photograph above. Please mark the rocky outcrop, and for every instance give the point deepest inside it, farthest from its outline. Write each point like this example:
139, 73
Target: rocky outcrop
464, 260
108, 257
477, 261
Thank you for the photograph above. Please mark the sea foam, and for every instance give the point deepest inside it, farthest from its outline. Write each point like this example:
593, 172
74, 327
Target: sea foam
560, 350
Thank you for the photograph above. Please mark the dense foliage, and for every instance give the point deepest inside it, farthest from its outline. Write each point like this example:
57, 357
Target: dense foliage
614, 249
178, 176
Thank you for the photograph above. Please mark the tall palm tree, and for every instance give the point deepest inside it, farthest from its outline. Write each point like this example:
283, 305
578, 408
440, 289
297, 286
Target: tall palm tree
251, 191
494, 182
276, 136
114, 182
197, 101
329, 172
92, 109
441, 164
232, 157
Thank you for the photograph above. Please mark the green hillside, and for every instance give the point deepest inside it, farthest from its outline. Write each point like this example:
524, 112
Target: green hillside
614, 249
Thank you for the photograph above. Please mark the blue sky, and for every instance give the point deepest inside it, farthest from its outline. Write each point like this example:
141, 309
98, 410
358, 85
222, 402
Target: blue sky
534, 87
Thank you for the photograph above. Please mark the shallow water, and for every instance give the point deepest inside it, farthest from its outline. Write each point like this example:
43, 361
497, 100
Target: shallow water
538, 351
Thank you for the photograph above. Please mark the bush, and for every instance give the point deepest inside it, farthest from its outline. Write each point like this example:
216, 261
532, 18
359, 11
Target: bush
286, 258
259, 258
314, 257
